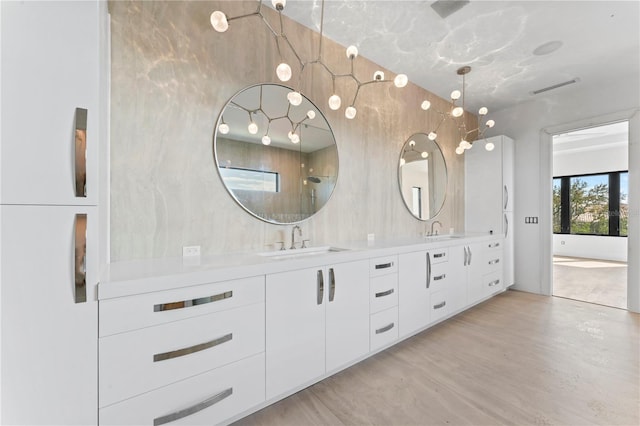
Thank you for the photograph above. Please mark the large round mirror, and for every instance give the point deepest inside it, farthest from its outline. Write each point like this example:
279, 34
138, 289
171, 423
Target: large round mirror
422, 174
275, 153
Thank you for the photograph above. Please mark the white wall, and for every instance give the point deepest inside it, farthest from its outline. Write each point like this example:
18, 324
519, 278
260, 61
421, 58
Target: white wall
590, 247
531, 125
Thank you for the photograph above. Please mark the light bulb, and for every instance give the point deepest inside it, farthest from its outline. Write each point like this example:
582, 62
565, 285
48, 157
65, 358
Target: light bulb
464, 144
412, 143
219, 21
491, 123
425, 105
455, 95
457, 112
352, 52
311, 114
223, 128
378, 75
483, 111
295, 98
401, 80
459, 150
279, 4
283, 71
252, 128
432, 136
266, 140
334, 102
402, 161
295, 138
350, 112
489, 146
424, 154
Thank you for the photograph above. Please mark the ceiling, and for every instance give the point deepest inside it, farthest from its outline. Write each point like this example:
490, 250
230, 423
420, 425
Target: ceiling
600, 42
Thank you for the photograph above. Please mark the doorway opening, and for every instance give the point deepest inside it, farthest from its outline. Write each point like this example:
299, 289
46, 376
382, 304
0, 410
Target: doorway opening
590, 214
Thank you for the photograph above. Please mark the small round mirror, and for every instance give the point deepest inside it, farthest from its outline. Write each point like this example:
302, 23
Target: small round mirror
422, 174
275, 153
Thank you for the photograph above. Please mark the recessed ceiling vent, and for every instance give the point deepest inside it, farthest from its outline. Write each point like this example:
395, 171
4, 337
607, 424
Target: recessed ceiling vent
444, 8
555, 86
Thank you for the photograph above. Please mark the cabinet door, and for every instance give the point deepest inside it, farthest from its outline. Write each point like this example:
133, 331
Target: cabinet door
347, 310
484, 189
295, 328
508, 255
413, 302
475, 270
508, 173
49, 342
50, 67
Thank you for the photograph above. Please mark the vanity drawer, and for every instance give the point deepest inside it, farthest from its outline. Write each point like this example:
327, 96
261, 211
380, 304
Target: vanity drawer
384, 328
383, 292
493, 260
383, 266
206, 399
141, 360
145, 310
439, 277
439, 255
492, 283
441, 303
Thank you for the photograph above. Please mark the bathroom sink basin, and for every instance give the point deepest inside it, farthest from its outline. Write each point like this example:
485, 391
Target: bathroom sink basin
442, 237
305, 252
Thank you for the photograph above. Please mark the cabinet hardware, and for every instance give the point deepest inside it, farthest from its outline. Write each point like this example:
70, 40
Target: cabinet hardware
506, 225
332, 284
466, 256
440, 277
192, 302
385, 293
81, 153
428, 269
320, 292
158, 421
440, 305
439, 255
506, 197
494, 283
470, 255
80, 256
494, 261
384, 265
192, 349
494, 245
385, 328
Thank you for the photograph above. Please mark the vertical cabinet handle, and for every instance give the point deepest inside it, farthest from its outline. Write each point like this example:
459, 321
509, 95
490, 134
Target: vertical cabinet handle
80, 256
466, 255
506, 197
332, 284
320, 280
81, 153
470, 255
506, 225
159, 421
428, 269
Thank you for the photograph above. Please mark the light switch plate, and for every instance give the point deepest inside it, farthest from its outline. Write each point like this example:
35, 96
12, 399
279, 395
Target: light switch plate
190, 251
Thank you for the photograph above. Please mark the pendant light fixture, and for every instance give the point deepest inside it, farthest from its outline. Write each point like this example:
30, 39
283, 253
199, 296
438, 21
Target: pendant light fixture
457, 114
220, 23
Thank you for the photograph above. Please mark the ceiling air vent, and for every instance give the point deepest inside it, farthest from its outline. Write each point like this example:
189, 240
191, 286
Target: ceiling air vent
444, 8
555, 86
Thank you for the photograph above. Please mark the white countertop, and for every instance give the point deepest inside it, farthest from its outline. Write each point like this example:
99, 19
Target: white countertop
144, 276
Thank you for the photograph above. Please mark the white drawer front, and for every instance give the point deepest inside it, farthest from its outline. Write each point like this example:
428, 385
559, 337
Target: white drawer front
492, 283
206, 399
384, 328
493, 260
138, 361
439, 277
383, 265
440, 304
439, 255
384, 292
134, 312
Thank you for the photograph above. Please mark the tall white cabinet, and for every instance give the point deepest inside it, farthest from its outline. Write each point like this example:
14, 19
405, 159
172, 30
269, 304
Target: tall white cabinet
50, 121
489, 195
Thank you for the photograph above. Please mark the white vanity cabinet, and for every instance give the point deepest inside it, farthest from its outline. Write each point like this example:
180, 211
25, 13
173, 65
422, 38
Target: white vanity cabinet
485, 266
317, 320
383, 298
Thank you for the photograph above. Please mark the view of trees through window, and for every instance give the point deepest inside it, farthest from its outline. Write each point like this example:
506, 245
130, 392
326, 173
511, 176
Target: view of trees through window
591, 204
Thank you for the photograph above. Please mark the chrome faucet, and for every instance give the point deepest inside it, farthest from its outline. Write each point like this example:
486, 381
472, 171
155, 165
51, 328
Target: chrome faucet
439, 226
293, 236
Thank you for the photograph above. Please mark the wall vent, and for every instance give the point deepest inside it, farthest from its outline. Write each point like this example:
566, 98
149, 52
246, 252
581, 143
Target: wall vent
555, 86
445, 8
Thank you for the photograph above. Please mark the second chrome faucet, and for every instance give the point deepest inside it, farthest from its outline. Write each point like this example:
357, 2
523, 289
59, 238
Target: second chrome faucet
293, 236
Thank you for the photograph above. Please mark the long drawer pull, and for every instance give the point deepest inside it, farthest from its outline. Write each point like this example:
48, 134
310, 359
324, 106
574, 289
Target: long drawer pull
192, 349
494, 245
440, 277
384, 265
332, 284
81, 153
80, 256
439, 255
320, 289
440, 305
158, 421
385, 328
385, 293
192, 302
494, 283
494, 261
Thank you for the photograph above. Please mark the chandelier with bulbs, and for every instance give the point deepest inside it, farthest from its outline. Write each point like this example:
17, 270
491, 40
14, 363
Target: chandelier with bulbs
456, 113
220, 23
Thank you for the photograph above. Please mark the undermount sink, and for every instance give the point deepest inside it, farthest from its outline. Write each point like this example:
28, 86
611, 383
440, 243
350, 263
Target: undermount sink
303, 252
442, 237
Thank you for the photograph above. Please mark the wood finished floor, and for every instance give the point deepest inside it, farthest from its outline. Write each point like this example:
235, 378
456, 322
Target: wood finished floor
519, 359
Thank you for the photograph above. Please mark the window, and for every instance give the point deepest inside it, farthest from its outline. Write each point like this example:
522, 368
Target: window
591, 204
250, 180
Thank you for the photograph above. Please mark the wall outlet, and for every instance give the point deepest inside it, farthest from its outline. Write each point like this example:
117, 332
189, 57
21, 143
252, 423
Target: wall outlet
371, 237
190, 251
